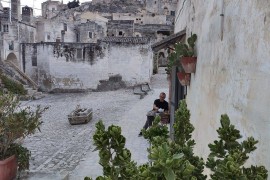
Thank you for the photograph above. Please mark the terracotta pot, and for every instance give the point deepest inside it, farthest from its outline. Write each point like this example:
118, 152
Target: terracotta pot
189, 64
8, 168
184, 78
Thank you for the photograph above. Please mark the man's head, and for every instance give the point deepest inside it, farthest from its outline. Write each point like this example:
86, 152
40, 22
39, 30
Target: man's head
162, 96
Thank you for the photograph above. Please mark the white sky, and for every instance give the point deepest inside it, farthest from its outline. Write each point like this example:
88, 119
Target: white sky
36, 3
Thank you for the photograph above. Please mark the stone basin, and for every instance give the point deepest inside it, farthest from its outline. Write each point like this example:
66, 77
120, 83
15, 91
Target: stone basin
80, 116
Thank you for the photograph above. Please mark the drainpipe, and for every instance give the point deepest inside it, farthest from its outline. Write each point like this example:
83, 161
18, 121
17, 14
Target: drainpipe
222, 20
10, 11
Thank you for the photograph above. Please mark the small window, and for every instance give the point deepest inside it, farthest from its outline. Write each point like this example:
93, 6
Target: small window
141, 15
172, 13
5, 28
90, 34
34, 60
53, 9
79, 53
31, 37
65, 27
120, 33
112, 34
78, 37
155, 2
48, 37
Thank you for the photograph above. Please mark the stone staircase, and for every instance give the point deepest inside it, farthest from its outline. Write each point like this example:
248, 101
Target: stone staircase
32, 94
13, 72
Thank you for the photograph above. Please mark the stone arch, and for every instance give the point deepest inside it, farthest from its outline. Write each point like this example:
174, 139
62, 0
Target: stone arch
13, 58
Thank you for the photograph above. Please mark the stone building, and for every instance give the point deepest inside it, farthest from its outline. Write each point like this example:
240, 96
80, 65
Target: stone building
50, 9
15, 30
92, 37
232, 71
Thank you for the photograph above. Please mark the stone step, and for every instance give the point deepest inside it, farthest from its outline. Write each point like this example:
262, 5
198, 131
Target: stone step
31, 91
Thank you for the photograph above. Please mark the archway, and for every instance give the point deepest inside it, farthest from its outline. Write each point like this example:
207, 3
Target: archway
12, 58
161, 59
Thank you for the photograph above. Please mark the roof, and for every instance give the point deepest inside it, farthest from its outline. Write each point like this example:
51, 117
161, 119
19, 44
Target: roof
170, 40
133, 40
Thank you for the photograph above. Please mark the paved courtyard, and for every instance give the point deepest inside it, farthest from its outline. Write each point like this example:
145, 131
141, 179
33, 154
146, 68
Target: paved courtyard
63, 148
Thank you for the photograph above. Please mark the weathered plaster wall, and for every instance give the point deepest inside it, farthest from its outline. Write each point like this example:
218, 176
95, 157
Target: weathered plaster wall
232, 75
58, 68
50, 30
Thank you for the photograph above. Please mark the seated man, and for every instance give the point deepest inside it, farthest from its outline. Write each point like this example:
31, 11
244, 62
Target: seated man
160, 106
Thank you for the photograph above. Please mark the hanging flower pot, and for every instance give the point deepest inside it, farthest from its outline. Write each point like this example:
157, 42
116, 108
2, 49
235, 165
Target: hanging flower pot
184, 78
8, 168
189, 64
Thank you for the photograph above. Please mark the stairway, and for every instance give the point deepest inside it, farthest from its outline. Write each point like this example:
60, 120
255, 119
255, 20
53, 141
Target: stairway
32, 94
14, 73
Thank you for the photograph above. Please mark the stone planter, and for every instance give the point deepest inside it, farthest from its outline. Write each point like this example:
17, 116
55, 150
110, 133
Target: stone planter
189, 64
80, 117
8, 168
184, 78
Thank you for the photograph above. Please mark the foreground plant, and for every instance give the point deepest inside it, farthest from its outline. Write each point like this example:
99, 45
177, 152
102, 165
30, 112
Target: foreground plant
114, 157
16, 123
183, 138
228, 156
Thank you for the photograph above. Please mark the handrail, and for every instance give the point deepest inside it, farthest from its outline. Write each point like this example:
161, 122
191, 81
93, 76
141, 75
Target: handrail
35, 86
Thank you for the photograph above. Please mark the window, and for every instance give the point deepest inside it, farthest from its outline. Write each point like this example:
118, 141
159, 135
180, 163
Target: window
31, 37
172, 13
65, 27
34, 61
78, 37
90, 35
79, 53
5, 26
48, 37
34, 57
53, 9
120, 33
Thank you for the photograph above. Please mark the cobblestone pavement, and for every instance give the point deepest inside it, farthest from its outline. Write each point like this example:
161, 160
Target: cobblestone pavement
61, 147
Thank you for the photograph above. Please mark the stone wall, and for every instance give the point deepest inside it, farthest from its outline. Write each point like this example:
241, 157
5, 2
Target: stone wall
78, 66
232, 73
53, 29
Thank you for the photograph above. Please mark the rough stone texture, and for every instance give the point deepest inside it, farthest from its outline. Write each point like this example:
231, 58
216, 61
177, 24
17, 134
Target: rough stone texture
232, 74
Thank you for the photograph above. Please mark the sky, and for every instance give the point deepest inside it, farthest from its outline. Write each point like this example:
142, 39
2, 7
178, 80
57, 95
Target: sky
36, 3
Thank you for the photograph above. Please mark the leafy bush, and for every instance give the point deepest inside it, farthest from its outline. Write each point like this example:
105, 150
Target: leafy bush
13, 86
16, 123
228, 156
175, 160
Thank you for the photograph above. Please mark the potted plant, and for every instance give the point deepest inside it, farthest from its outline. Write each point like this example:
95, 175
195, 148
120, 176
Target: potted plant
184, 78
186, 53
15, 124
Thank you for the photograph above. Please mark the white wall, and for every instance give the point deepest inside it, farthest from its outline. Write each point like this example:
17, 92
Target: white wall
232, 74
132, 62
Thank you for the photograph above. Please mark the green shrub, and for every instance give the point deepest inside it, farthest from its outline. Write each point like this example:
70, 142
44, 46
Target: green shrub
13, 86
228, 156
